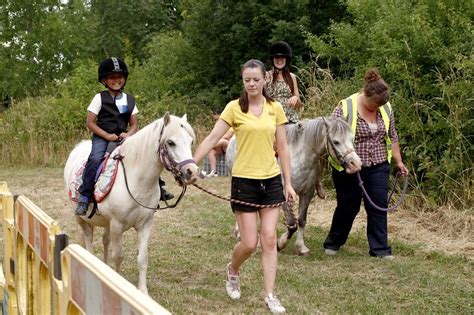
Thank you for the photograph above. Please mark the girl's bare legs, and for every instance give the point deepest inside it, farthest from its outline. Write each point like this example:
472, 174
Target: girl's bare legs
268, 240
219, 149
248, 239
212, 157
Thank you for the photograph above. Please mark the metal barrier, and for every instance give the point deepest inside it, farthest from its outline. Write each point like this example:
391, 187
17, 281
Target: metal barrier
45, 275
221, 170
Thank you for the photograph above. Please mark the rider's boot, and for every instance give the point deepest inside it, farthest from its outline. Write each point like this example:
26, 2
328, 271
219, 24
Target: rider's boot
82, 205
164, 195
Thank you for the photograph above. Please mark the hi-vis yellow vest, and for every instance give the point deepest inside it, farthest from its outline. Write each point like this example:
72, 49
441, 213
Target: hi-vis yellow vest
349, 113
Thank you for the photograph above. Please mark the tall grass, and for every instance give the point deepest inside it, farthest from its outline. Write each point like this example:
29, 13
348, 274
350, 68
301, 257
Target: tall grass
40, 131
435, 136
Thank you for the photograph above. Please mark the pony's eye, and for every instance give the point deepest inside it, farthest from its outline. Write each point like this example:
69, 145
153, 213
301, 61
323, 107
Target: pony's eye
336, 142
170, 143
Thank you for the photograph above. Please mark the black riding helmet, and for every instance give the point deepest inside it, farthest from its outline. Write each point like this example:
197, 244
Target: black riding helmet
112, 65
281, 49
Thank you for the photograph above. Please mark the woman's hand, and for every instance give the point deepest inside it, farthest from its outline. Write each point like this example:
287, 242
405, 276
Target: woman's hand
290, 194
402, 168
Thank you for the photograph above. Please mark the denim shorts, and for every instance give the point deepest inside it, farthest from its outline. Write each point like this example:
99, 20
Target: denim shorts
258, 191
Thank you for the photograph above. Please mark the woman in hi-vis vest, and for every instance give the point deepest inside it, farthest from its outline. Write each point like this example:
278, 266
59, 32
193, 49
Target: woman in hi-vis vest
376, 141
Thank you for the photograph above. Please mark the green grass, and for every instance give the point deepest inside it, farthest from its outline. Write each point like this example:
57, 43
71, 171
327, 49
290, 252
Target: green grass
192, 243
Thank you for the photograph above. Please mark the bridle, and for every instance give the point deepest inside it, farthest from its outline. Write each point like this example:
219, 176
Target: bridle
170, 164
340, 158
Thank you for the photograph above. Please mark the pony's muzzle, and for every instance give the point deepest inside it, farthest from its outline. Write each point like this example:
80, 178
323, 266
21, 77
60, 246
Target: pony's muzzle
353, 165
190, 173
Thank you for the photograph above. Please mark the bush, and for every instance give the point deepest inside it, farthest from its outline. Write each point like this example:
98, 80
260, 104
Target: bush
424, 51
40, 131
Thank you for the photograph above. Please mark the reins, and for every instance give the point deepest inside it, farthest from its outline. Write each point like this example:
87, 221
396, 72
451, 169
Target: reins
183, 191
239, 201
169, 164
340, 158
399, 201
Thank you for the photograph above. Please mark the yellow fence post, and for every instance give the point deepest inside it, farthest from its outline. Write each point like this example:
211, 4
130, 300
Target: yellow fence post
34, 254
43, 275
92, 287
9, 301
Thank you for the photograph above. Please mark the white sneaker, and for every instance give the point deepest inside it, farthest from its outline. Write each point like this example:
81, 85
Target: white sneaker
274, 305
232, 284
212, 174
330, 252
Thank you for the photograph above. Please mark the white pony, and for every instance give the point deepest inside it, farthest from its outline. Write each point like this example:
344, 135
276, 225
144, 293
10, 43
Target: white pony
308, 141
136, 189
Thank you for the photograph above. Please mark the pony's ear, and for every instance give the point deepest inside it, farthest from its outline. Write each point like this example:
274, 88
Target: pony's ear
166, 118
185, 117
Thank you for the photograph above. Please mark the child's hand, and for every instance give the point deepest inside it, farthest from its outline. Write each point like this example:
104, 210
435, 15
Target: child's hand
123, 136
291, 102
112, 137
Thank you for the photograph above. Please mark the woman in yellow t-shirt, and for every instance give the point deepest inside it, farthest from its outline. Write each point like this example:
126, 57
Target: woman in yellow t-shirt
258, 123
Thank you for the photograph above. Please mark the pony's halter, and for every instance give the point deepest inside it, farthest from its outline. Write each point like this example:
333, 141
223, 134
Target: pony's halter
169, 163
340, 157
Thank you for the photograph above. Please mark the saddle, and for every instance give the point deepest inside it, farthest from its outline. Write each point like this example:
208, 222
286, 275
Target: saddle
104, 178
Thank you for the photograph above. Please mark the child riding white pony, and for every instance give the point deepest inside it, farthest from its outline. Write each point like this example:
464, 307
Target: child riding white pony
136, 187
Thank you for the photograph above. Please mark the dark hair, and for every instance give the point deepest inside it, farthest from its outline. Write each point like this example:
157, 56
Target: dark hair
244, 98
282, 49
375, 87
286, 77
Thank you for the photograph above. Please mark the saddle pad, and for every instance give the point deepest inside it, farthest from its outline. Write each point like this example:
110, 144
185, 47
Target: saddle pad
104, 183
107, 177
76, 183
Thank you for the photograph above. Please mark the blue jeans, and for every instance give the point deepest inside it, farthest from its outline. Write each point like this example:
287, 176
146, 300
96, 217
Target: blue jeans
99, 147
349, 196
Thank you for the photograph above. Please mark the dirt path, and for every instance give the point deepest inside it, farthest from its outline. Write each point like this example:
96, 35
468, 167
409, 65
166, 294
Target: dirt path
446, 230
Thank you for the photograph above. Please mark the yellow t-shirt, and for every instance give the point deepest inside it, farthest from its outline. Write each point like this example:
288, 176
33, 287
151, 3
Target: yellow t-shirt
255, 138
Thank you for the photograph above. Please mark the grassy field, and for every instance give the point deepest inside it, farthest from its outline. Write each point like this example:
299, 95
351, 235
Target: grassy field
191, 245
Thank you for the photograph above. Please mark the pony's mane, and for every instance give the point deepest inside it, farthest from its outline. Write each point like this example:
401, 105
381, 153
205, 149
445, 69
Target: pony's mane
147, 138
338, 127
308, 129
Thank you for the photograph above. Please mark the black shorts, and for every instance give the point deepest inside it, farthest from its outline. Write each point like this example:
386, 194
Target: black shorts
258, 191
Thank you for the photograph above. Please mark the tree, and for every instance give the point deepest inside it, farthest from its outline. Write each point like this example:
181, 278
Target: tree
39, 46
424, 50
226, 33
126, 27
